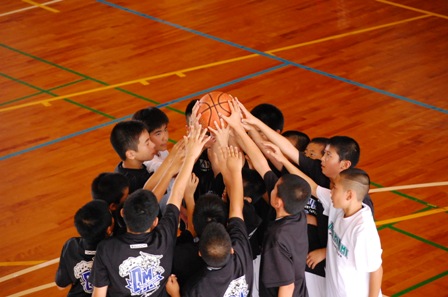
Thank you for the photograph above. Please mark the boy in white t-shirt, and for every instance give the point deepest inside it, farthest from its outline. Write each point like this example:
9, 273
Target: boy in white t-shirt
354, 265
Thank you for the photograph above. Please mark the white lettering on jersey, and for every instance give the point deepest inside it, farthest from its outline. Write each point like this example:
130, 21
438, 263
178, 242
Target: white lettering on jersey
82, 272
237, 288
143, 273
138, 246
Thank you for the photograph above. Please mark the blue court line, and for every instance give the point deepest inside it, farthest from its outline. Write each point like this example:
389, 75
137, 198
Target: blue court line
291, 63
93, 128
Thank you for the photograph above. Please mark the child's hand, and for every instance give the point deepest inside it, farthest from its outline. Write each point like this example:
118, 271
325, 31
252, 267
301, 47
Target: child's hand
234, 160
315, 257
274, 151
178, 156
221, 134
234, 120
195, 141
172, 286
191, 188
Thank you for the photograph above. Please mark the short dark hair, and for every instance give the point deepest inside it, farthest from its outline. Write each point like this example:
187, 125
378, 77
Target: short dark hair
209, 208
92, 221
253, 184
294, 191
125, 136
189, 109
300, 138
357, 180
347, 149
140, 210
215, 245
109, 186
270, 115
153, 118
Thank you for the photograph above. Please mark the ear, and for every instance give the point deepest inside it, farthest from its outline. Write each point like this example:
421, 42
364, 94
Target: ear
345, 164
130, 154
350, 195
232, 251
199, 253
155, 223
122, 213
113, 206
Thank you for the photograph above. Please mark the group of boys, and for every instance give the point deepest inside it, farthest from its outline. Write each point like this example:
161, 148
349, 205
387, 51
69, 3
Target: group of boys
237, 209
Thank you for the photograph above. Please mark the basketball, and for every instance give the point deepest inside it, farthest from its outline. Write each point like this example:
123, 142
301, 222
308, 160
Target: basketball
210, 105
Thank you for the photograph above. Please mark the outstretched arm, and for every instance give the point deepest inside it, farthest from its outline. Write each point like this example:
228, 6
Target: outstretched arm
257, 158
277, 154
194, 143
287, 148
233, 179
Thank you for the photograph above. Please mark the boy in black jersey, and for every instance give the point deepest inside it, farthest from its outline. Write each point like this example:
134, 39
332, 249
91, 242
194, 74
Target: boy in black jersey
228, 256
138, 262
94, 223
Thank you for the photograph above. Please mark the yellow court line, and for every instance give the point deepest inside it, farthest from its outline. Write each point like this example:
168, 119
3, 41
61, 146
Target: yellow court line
41, 6
412, 216
347, 34
33, 290
413, 8
21, 263
177, 73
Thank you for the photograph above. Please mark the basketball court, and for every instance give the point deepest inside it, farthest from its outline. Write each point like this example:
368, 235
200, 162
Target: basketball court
375, 70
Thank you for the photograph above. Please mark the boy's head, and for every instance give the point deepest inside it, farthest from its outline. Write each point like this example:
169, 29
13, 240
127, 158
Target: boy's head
140, 211
316, 148
253, 184
215, 246
189, 110
342, 152
130, 139
111, 187
290, 193
209, 208
351, 186
298, 139
270, 115
94, 221
157, 123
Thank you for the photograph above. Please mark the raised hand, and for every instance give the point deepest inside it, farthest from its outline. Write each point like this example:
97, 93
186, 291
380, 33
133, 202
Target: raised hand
221, 133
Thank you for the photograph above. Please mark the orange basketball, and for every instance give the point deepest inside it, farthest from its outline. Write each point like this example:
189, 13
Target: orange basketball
210, 105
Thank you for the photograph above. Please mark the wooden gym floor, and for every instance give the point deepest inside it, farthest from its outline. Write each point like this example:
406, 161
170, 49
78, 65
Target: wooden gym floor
375, 70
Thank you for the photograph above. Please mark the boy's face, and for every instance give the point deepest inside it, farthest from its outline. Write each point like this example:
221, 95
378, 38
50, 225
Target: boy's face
274, 192
331, 165
146, 148
339, 195
314, 151
160, 138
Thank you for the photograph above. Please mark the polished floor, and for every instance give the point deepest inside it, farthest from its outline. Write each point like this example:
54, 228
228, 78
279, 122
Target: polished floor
375, 70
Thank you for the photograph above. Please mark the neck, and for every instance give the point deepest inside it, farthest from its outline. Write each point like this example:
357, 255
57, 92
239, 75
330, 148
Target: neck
132, 164
352, 209
280, 213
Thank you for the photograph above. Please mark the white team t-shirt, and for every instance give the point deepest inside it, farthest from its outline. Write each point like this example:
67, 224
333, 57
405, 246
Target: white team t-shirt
353, 249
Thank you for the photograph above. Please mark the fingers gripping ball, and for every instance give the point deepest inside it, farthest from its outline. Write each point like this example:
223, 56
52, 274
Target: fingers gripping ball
210, 105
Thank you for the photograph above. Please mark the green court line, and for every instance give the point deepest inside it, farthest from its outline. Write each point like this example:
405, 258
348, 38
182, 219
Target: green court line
38, 93
439, 246
55, 95
421, 284
84, 76
405, 196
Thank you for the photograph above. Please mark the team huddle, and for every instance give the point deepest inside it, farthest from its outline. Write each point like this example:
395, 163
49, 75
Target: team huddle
237, 208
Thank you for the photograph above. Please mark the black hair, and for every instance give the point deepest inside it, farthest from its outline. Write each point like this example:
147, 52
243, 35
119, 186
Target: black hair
270, 115
189, 109
356, 179
92, 221
209, 208
253, 184
346, 148
215, 245
300, 138
125, 136
153, 118
294, 191
109, 186
140, 210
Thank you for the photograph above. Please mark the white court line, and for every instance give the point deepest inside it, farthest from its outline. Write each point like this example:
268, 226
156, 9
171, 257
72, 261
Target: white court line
29, 7
32, 290
415, 186
24, 271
